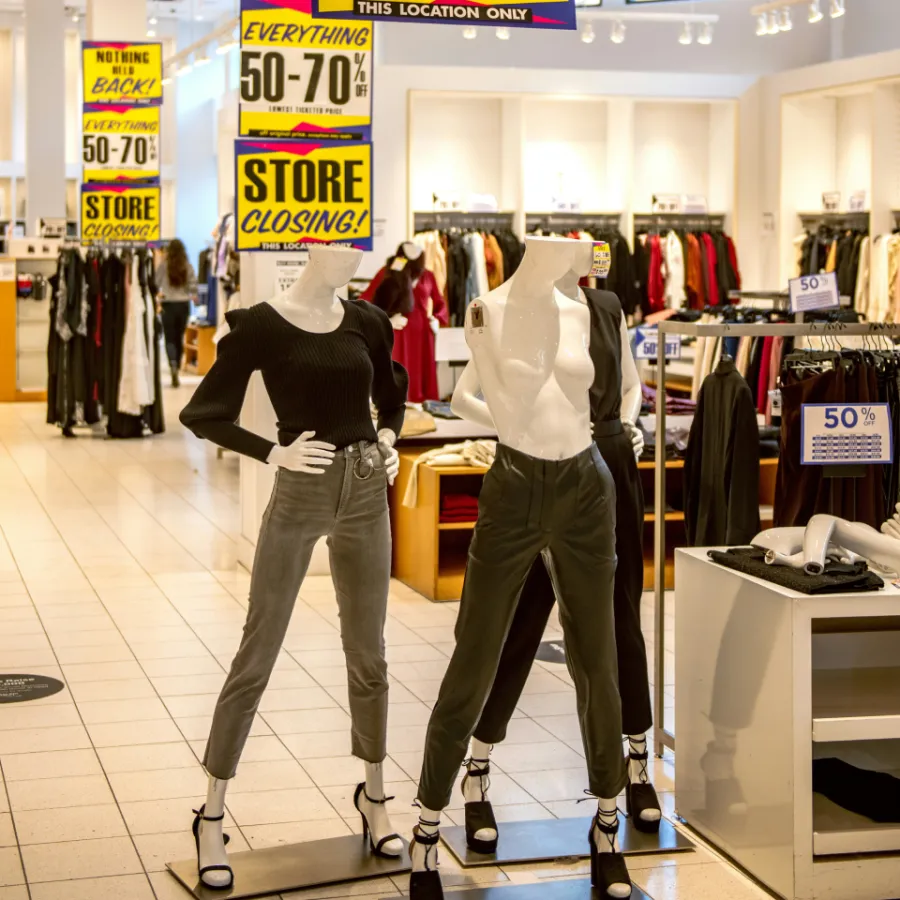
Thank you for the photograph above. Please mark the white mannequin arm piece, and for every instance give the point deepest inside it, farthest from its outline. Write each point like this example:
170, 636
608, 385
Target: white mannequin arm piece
386, 440
882, 550
631, 393
466, 402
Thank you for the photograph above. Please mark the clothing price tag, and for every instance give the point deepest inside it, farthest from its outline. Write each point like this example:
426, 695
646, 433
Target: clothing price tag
602, 260
810, 292
775, 398
647, 344
399, 263
845, 434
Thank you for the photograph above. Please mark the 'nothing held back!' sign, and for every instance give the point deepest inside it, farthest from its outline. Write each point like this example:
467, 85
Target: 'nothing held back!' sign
505, 13
291, 193
122, 72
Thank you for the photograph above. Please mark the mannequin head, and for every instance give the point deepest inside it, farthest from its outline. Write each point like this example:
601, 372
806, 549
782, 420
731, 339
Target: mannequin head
415, 256
395, 293
335, 266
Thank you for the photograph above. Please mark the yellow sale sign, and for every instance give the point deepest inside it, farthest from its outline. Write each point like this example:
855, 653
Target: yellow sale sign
119, 213
303, 78
290, 193
123, 72
120, 143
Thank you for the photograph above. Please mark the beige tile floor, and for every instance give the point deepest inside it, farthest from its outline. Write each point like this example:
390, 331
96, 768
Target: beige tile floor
118, 575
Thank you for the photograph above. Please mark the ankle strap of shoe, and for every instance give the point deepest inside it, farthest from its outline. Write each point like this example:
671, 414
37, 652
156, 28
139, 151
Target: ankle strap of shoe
200, 812
379, 802
425, 839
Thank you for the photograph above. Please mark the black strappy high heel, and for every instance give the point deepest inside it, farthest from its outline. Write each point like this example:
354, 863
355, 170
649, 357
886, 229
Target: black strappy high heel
641, 797
479, 813
607, 869
225, 838
377, 849
425, 885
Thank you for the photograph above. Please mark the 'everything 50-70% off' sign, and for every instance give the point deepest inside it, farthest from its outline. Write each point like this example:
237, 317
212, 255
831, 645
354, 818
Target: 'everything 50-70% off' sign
301, 77
120, 143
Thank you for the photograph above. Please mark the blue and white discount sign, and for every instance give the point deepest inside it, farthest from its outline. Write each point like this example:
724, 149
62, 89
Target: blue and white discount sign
646, 344
845, 434
809, 292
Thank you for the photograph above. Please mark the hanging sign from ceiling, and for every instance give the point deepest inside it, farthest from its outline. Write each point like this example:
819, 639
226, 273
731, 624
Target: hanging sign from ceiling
291, 193
122, 72
506, 13
302, 78
119, 213
120, 143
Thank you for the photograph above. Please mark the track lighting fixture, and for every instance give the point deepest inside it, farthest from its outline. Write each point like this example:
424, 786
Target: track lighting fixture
706, 34
785, 23
151, 33
183, 68
815, 12
470, 32
152, 20
762, 25
502, 34
687, 35
587, 33
75, 17
167, 79
837, 9
774, 22
617, 32
201, 58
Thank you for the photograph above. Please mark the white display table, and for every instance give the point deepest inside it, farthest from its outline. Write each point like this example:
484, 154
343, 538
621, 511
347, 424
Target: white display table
786, 678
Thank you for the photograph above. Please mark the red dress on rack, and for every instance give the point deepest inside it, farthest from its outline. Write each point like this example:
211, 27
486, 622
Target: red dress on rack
414, 344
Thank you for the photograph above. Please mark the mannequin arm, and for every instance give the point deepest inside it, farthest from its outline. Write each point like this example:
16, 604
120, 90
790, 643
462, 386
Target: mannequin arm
465, 401
631, 382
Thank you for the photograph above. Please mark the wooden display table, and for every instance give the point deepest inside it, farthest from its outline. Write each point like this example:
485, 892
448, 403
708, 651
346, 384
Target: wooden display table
199, 349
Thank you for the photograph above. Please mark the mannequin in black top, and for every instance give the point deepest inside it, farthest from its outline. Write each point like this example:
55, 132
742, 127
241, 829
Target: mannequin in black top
615, 403
321, 359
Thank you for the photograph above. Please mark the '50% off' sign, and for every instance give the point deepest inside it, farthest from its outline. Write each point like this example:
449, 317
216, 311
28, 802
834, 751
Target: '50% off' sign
647, 344
846, 434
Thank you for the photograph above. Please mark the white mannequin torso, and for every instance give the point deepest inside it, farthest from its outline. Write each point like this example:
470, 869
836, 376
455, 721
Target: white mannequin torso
530, 358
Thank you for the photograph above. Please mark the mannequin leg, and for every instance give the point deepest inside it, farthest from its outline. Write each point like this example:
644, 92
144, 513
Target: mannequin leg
210, 839
359, 548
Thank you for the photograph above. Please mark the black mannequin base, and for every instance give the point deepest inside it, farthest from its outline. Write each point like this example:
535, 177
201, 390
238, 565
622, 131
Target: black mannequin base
578, 889
545, 839
276, 870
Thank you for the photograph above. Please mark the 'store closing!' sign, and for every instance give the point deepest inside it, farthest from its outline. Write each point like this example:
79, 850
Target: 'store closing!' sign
289, 193
118, 212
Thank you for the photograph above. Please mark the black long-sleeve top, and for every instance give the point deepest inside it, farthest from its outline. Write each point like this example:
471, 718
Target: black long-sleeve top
316, 382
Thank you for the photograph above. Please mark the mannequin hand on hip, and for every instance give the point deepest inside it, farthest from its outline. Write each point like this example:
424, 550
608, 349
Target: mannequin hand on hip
303, 455
391, 457
398, 322
435, 325
636, 435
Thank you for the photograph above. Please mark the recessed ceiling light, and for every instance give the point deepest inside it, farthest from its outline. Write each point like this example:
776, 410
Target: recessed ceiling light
152, 20
774, 22
470, 32
815, 12
785, 23
837, 9
706, 34
151, 32
617, 32
502, 34
762, 25
587, 33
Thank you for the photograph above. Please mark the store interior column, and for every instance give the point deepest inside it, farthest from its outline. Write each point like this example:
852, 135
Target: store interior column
45, 81
116, 20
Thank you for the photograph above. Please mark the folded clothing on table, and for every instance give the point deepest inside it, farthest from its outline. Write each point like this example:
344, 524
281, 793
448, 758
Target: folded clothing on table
458, 508
867, 793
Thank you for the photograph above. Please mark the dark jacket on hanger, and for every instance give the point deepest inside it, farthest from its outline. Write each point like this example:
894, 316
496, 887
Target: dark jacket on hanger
721, 466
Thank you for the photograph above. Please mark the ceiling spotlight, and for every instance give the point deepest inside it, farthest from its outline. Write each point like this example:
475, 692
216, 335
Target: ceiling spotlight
587, 34
705, 36
470, 32
617, 32
201, 58
762, 25
151, 32
183, 68
502, 34
774, 22
226, 44
198, 17
785, 23
152, 20
837, 9
687, 34
75, 17
815, 12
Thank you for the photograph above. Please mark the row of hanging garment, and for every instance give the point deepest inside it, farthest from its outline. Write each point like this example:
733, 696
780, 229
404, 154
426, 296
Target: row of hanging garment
102, 348
680, 268
845, 251
468, 263
877, 286
867, 374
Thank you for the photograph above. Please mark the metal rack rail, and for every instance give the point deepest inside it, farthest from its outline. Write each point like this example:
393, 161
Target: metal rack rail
662, 737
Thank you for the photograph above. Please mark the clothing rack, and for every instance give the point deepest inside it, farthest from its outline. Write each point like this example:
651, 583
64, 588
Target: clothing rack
477, 221
781, 300
856, 221
561, 222
663, 738
646, 222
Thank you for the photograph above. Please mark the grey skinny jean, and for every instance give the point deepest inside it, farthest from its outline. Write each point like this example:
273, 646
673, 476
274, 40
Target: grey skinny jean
348, 503
566, 511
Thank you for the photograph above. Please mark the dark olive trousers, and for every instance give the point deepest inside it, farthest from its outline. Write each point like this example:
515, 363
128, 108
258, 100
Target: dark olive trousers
565, 511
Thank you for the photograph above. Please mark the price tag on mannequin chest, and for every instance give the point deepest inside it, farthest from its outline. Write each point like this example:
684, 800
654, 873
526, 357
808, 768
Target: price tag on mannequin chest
845, 434
647, 344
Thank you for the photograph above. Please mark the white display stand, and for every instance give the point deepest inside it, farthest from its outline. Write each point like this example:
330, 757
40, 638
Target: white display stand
798, 677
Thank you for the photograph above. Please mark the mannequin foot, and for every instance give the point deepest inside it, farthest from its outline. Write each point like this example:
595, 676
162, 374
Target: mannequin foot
609, 874
481, 826
641, 802
425, 880
383, 840
212, 861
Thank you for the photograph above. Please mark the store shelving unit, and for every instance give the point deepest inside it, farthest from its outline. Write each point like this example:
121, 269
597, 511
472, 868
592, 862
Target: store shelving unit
199, 349
793, 677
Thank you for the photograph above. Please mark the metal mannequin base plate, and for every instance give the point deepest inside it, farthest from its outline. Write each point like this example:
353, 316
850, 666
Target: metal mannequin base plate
579, 889
544, 839
274, 870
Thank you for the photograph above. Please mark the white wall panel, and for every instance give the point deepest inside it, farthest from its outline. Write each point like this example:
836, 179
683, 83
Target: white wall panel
853, 137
